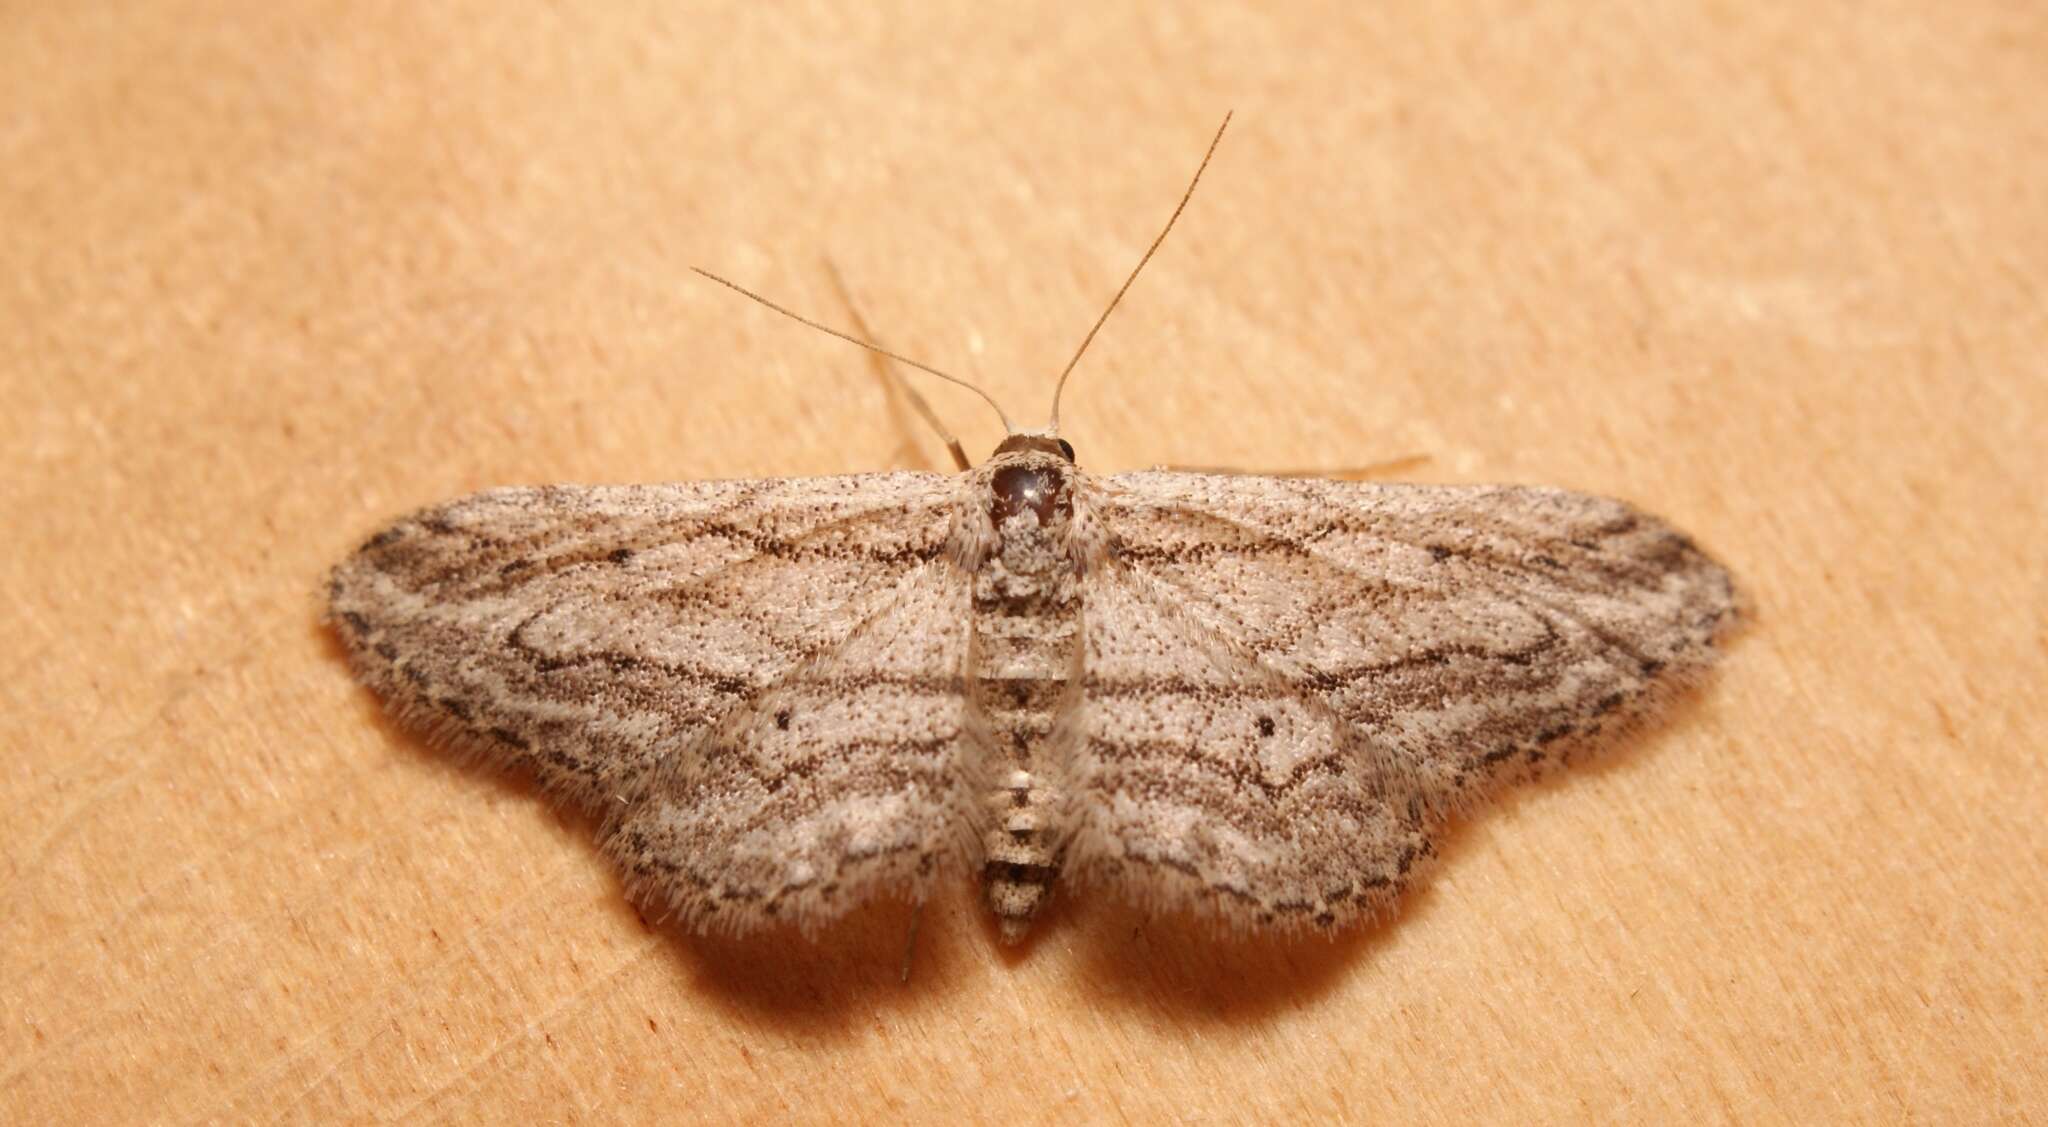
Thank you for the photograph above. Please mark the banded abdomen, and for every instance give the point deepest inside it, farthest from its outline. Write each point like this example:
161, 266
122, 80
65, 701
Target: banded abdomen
1026, 651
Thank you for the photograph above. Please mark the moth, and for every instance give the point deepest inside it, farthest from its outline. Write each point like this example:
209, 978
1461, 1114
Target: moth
1255, 697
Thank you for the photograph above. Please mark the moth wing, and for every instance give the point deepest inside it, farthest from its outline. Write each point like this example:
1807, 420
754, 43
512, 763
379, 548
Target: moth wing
1290, 683
590, 634
844, 780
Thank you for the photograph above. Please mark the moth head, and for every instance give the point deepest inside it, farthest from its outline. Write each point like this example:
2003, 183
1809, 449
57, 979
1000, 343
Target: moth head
1031, 476
1035, 444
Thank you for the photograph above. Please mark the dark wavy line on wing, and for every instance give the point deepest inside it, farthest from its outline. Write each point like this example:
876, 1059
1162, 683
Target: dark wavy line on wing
462, 551
480, 569
1504, 571
1263, 541
724, 683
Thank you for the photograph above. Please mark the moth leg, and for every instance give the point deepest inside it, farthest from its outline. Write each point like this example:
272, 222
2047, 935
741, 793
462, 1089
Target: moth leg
894, 378
910, 939
1389, 467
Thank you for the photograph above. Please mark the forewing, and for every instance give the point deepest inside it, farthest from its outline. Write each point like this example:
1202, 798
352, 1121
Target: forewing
591, 634
1292, 682
844, 780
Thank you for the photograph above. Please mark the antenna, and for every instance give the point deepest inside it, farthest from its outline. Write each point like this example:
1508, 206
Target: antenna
851, 339
1053, 427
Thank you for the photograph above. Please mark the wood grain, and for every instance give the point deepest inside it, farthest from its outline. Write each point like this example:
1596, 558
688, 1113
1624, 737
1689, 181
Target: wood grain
278, 272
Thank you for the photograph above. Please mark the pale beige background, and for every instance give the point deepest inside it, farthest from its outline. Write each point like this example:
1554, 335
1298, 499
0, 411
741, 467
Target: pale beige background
274, 274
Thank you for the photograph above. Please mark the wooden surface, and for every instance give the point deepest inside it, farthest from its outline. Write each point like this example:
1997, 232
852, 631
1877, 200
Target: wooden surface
276, 273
